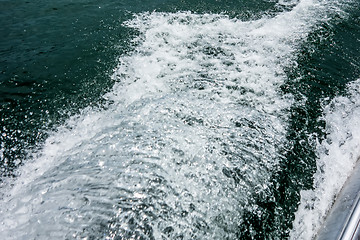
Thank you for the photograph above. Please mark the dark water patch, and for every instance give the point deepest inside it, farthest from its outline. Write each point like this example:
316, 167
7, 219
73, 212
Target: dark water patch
326, 63
56, 58
240, 9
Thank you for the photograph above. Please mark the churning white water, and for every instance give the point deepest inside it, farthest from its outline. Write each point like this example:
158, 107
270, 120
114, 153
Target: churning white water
193, 129
337, 157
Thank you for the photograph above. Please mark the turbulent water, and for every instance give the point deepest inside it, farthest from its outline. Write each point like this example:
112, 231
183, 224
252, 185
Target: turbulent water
177, 120
338, 154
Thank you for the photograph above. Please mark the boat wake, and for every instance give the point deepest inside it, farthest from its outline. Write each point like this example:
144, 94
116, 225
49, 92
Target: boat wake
192, 131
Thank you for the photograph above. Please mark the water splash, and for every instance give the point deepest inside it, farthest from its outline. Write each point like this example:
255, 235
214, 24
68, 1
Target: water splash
337, 157
192, 131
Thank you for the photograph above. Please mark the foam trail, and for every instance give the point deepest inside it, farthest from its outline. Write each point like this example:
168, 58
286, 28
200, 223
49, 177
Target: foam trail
337, 157
193, 132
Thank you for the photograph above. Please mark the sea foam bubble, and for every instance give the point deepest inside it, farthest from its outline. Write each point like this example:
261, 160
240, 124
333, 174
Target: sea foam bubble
337, 156
192, 131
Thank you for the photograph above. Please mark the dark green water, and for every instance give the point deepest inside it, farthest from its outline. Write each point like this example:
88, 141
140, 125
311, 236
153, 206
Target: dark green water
58, 58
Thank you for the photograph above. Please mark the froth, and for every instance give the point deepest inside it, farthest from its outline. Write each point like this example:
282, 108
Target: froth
337, 157
193, 132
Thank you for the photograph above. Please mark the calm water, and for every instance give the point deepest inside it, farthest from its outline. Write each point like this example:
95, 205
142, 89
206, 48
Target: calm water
176, 119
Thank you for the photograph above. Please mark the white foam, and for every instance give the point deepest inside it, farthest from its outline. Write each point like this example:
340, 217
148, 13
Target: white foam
337, 157
199, 94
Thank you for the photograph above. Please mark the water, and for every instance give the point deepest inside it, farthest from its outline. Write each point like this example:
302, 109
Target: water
342, 116
176, 120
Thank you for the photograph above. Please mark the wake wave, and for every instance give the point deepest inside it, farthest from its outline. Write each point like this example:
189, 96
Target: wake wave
193, 129
337, 157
